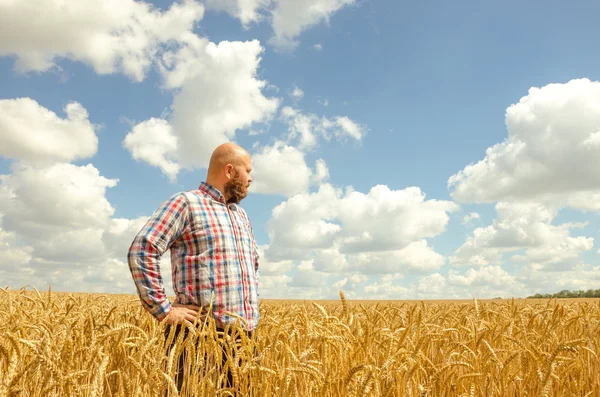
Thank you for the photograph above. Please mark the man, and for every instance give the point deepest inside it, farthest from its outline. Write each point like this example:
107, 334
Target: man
213, 251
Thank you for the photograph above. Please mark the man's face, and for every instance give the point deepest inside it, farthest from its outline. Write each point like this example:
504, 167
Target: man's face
237, 187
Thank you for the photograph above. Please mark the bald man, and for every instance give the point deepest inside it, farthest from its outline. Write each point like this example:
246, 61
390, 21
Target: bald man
213, 251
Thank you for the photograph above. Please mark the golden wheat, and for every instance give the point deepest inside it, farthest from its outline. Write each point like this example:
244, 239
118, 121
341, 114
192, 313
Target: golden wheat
58, 344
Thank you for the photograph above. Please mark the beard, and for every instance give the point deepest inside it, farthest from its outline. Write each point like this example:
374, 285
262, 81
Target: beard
235, 189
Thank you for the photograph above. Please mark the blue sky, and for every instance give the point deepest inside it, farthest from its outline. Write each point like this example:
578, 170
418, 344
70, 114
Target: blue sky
392, 98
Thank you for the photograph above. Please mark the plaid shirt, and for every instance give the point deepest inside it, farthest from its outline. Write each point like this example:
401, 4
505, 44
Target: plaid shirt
212, 251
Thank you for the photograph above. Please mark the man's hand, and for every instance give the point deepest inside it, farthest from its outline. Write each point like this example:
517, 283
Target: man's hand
180, 313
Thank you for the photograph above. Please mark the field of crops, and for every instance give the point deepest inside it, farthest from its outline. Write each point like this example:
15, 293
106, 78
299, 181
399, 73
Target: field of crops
55, 344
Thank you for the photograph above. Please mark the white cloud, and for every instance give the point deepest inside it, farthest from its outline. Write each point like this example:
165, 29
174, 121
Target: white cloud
269, 267
303, 221
29, 132
416, 257
432, 285
272, 286
350, 284
383, 231
387, 219
59, 211
489, 275
307, 277
346, 127
247, 11
280, 169
523, 225
340, 284
41, 202
110, 275
484, 283
217, 95
552, 136
57, 230
579, 277
388, 287
321, 172
297, 93
307, 128
290, 18
470, 217
12, 255
153, 141
72, 247
110, 36
118, 235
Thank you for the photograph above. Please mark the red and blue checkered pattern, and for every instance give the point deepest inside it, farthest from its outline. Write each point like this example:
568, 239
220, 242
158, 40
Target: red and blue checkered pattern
213, 255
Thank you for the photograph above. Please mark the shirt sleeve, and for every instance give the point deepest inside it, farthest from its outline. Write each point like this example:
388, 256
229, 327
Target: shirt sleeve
255, 253
256, 263
256, 256
167, 223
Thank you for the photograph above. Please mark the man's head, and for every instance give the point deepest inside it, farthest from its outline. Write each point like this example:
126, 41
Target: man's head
229, 171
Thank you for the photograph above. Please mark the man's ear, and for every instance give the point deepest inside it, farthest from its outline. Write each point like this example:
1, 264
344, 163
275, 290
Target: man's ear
228, 171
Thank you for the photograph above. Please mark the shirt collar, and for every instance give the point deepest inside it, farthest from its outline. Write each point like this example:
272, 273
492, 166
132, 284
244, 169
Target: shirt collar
212, 192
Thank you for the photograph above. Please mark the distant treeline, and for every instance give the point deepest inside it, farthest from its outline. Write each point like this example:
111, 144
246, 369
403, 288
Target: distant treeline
590, 293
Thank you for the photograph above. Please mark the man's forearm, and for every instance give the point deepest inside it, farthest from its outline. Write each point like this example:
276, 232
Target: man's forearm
144, 264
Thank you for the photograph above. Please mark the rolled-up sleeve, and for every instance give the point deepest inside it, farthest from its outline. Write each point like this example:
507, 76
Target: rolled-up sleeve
165, 226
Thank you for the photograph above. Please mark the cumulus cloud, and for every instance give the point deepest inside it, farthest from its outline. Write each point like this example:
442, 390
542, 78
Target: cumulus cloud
111, 36
579, 277
247, 11
12, 255
59, 212
525, 225
118, 235
297, 93
388, 286
432, 286
153, 141
290, 18
552, 136
56, 228
383, 231
321, 172
269, 267
416, 257
549, 161
489, 275
306, 129
387, 219
217, 93
282, 169
30, 132
484, 283
349, 284
40, 202
470, 217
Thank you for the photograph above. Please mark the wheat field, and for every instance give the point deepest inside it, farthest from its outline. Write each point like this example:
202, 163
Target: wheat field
58, 344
